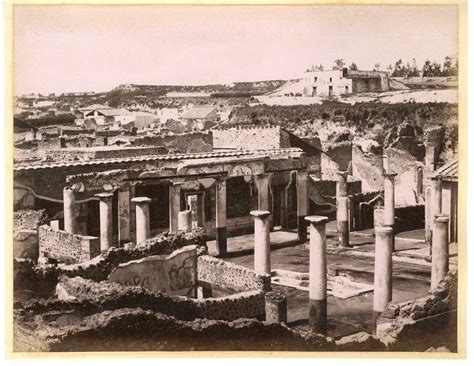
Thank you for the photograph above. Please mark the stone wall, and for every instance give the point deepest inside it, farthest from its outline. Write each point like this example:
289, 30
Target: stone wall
427, 322
72, 153
25, 244
66, 247
28, 219
232, 277
181, 143
244, 138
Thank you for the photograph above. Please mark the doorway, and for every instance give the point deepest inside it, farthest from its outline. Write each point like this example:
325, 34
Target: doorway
195, 203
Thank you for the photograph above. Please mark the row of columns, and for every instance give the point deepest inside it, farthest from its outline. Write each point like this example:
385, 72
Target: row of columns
142, 211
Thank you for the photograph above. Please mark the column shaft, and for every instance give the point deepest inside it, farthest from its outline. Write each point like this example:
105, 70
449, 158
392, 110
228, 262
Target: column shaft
437, 197
343, 221
142, 214
184, 220
389, 203
383, 268
221, 217
302, 204
428, 216
262, 242
174, 206
70, 211
106, 225
440, 251
317, 274
124, 215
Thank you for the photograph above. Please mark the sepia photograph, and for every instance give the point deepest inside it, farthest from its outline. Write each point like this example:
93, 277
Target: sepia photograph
255, 178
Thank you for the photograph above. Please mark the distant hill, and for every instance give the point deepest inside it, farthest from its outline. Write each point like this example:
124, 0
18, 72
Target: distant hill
237, 89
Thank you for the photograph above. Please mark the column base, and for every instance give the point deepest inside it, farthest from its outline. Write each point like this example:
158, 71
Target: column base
318, 316
376, 315
302, 229
221, 241
343, 232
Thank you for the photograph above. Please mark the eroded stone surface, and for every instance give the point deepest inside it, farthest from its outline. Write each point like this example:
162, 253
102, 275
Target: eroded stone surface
174, 274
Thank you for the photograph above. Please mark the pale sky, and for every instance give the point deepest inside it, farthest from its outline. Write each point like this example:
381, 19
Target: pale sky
61, 48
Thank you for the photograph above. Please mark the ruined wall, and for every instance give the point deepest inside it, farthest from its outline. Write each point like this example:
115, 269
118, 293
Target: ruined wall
423, 323
66, 247
25, 244
242, 138
182, 143
230, 276
71, 154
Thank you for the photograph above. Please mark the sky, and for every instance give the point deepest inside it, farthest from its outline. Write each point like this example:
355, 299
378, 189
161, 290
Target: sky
68, 48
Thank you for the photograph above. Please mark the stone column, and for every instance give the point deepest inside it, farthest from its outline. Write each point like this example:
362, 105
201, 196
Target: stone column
383, 269
343, 221
428, 216
275, 308
184, 220
302, 204
437, 196
440, 251
263, 182
106, 225
221, 217
70, 210
389, 203
175, 205
384, 164
317, 274
378, 216
262, 242
123, 203
142, 213
341, 184
283, 209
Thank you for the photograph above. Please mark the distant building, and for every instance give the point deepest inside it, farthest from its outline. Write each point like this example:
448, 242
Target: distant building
326, 83
105, 114
200, 117
368, 81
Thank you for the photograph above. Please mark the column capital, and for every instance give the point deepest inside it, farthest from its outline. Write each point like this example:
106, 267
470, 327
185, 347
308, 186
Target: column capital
390, 176
441, 218
260, 213
104, 196
317, 219
343, 174
302, 174
141, 200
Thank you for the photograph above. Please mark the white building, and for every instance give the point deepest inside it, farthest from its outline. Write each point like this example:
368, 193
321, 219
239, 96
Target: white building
326, 83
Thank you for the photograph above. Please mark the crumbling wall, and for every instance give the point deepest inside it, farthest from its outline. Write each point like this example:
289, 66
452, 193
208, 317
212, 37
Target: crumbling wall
29, 219
340, 153
230, 276
181, 143
143, 330
100, 267
30, 280
25, 244
66, 247
247, 138
423, 323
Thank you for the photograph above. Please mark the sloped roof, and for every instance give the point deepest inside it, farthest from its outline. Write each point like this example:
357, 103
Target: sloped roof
448, 171
198, 112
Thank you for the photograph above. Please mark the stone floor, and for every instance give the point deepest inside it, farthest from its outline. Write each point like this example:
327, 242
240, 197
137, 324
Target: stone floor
411, 273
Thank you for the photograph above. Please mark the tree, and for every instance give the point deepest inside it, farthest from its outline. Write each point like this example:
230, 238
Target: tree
338, 64
353, 66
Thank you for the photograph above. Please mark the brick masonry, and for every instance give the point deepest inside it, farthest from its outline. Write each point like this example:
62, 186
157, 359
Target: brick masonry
66, 247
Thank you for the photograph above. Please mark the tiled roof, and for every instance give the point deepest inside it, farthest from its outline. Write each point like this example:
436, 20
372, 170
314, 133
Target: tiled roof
58, 164
448, 171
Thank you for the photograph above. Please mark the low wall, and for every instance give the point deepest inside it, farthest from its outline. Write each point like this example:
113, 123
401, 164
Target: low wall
230, 277
66, 247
